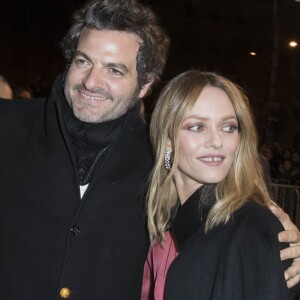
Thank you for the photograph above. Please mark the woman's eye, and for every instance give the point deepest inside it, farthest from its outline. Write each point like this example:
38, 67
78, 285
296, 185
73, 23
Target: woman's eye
196, 128
229, 128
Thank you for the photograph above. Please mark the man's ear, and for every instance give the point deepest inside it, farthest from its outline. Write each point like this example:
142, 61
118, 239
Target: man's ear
145, 89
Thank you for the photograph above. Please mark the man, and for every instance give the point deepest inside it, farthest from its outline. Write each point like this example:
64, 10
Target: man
74, 168
72, 210
5, 89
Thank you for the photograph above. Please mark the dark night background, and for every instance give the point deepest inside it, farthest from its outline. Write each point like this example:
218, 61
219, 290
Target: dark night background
215, 35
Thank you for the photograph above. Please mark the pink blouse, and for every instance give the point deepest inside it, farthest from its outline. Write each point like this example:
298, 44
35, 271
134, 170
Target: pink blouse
156, 267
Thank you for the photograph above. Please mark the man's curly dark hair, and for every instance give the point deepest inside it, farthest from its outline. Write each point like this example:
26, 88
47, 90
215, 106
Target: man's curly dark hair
129, 16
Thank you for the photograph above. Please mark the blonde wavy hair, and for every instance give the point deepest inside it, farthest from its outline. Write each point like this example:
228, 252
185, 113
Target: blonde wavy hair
244, 181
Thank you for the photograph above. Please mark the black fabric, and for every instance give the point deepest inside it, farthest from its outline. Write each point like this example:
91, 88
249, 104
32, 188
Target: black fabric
49, 238
192, 213
89, 141
239, 260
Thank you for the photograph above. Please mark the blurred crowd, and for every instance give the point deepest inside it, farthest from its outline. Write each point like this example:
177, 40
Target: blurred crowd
284, 163
7, 92
37, 90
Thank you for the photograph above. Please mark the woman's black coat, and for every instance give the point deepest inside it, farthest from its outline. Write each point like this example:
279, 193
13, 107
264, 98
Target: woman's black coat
236, 261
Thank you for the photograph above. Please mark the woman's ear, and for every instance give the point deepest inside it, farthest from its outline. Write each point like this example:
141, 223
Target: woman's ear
169, 145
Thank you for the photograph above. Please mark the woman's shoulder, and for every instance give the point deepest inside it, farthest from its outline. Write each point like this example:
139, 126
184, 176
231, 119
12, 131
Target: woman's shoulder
256, 219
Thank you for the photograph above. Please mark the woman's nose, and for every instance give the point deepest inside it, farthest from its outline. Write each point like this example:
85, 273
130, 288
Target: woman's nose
213, 139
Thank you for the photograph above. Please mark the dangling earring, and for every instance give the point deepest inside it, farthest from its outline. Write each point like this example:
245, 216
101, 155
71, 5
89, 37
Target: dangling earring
168, 160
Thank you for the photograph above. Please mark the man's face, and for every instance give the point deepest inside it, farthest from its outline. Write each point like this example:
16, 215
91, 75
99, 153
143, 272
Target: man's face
101, 83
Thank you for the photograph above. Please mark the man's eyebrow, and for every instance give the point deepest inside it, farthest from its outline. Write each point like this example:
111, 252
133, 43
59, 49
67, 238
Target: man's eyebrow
120, 66
79, 53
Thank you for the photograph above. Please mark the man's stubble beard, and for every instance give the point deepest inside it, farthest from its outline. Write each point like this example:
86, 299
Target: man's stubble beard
110, 115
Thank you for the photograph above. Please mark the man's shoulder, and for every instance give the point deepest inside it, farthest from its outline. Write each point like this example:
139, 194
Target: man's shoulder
16, 106
21, 103
20, 113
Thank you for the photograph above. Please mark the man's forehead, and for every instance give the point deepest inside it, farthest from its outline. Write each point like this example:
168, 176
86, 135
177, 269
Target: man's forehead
110, 34
108, 46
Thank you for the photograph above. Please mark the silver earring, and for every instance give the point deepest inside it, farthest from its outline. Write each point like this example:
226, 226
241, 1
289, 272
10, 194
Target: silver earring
168, 160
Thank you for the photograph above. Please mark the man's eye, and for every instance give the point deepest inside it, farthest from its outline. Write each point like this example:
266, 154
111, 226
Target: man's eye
196, 128
116, 72
80, 62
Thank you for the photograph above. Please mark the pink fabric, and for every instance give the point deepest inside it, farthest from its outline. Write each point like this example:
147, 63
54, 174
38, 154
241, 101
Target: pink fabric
156, 267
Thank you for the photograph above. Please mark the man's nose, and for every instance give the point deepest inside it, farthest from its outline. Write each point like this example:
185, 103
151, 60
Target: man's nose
94, 79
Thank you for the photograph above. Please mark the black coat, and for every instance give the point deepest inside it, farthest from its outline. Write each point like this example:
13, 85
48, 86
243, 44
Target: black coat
236, 261
49, 237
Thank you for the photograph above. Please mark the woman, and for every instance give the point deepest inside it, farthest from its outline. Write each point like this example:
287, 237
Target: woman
208, 181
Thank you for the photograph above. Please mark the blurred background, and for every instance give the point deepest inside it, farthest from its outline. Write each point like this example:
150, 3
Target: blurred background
253, 42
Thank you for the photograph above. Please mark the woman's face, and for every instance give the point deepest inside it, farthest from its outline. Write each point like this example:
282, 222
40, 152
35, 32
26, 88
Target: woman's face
208, 141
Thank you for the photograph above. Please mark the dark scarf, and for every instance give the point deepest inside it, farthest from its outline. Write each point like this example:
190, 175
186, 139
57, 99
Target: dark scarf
89, 141
192, 215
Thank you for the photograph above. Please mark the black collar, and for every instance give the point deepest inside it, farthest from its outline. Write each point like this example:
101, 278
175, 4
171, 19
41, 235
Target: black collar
191, 216
89, 141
